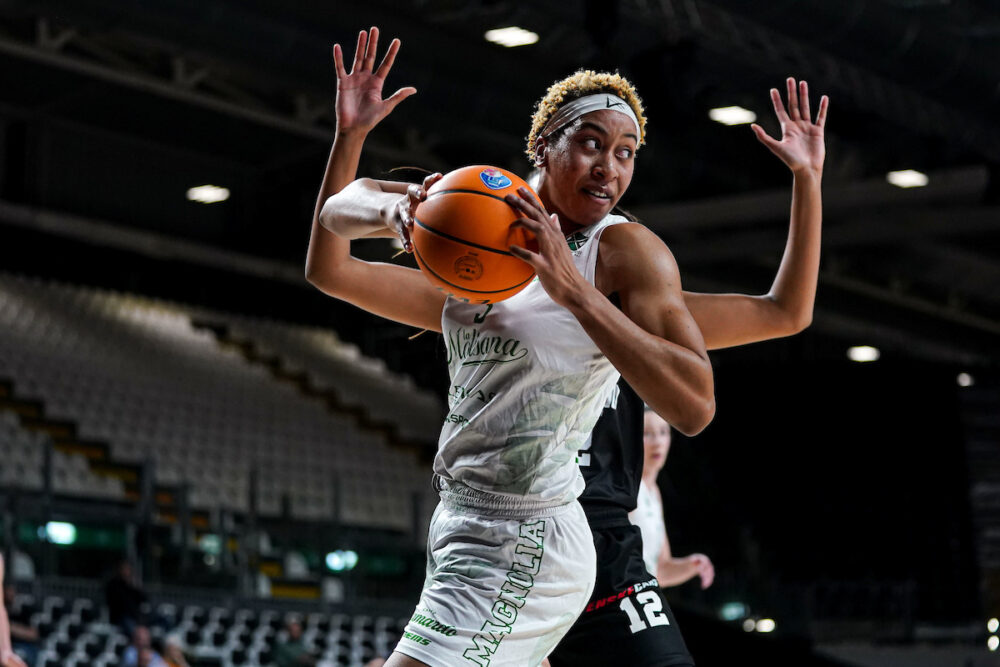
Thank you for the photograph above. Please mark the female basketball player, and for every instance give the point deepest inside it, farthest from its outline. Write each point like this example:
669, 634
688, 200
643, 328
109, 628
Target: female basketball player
510, 554
648, 514
7, 656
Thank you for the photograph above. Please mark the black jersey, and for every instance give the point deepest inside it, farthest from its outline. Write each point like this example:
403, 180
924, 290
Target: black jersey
627, 620
612, 462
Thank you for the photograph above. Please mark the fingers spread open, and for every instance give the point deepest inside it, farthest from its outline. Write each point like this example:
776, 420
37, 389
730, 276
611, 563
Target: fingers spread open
388, 60
804, 101
372, 48
338, 62
359, 52
793, 99
779, 106
824, 104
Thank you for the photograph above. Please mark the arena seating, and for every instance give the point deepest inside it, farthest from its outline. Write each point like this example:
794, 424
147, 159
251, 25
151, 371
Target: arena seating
21, 460
75, 633
136, 374
361, 382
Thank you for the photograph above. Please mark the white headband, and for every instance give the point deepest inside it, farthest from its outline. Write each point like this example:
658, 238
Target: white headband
573, 110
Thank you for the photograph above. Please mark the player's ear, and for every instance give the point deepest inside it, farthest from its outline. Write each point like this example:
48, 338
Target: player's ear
541, 151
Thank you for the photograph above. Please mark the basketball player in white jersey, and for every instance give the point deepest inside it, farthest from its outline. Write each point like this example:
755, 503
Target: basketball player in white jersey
511, 559
7, 656
648, 514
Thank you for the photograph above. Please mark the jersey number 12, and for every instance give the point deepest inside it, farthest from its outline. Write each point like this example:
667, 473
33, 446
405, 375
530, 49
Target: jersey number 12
652, 608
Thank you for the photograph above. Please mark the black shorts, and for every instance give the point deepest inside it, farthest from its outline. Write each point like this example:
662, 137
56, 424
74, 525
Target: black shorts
627, 622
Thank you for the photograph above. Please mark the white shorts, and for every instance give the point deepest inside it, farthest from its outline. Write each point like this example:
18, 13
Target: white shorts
500, 591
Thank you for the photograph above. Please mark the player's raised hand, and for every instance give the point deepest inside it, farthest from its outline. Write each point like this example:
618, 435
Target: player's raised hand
802, 145
360, 106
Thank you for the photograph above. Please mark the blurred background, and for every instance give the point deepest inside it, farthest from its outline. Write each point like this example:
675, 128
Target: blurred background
174, 394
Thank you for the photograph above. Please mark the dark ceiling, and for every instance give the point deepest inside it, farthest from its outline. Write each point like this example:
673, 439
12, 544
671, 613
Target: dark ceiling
110, 110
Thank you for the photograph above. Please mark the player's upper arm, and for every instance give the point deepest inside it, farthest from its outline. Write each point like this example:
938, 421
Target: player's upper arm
637, 265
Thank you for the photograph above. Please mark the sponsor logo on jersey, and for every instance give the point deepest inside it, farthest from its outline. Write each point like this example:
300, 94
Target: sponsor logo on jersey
433, 625
473, 349
414, 637
635, 588
512, 594
494, 179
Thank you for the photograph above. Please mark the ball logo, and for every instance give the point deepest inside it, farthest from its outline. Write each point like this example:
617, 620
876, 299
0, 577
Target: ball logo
468, 267
494, 179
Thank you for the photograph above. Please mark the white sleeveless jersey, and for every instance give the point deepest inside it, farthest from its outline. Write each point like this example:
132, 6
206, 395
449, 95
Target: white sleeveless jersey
527, 386
648, 516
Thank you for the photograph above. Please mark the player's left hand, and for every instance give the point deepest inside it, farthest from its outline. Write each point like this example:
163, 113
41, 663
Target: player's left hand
802, 146
553, 261
706, 571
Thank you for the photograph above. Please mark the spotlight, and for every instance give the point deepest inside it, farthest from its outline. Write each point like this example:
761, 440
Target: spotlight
208, 194
511, 36
907, 178
765, 625
732, 115
863, 353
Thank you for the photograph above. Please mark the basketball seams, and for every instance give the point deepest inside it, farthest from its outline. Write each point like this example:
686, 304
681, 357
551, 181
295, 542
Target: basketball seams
456, 239
424, 265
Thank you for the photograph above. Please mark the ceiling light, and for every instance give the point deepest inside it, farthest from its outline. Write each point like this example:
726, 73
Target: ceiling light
966, 380
749, 625
765, 625
993, 625
993, 642
208, 194
732, 115
512, 36
863, 353
908, 178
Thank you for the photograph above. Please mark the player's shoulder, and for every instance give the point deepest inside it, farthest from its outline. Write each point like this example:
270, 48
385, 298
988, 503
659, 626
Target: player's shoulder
632, 249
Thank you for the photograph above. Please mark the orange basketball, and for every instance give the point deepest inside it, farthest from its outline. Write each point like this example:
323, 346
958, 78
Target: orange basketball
461, 235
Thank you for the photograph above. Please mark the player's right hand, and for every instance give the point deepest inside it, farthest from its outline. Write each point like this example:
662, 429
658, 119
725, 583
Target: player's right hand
360, 106
406, 209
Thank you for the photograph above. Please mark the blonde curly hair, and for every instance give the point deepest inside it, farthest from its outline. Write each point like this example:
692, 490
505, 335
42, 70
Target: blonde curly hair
583, 82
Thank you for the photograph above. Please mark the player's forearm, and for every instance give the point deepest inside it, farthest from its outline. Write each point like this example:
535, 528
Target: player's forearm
794, 289
676, 382
675, 572
359, 209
